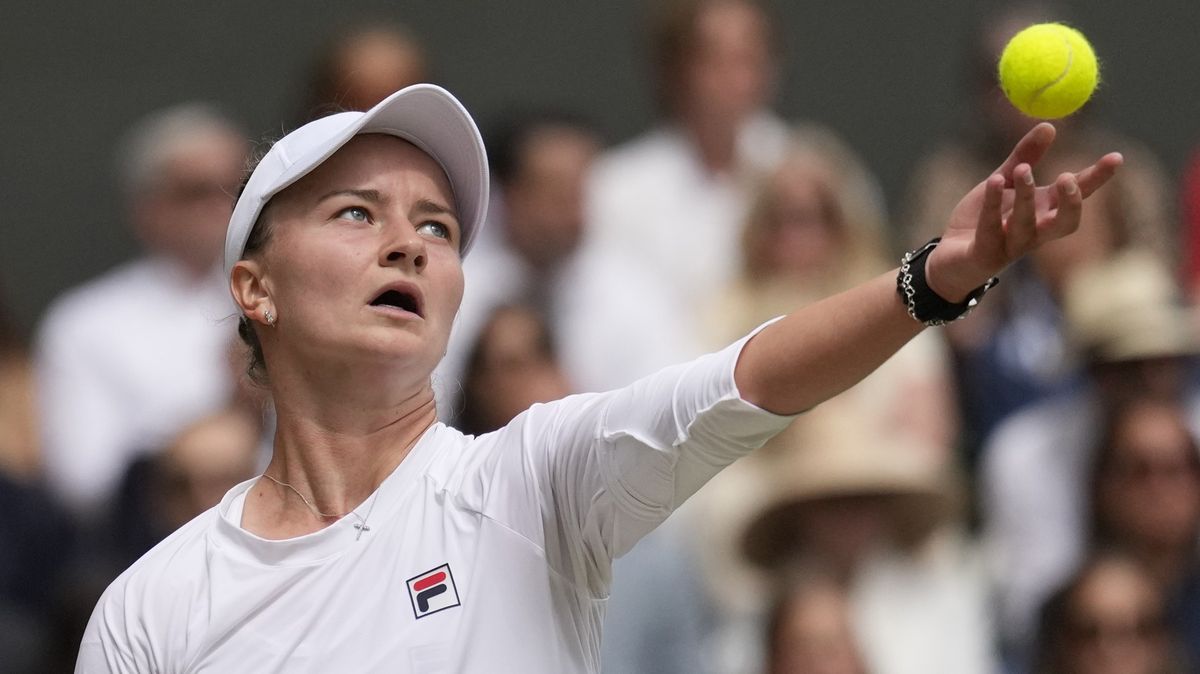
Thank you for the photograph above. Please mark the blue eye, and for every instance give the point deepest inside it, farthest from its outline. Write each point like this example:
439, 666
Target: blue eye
356, 213
436, 228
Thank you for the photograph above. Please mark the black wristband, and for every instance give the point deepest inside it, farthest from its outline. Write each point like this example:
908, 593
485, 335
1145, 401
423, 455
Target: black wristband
923, 304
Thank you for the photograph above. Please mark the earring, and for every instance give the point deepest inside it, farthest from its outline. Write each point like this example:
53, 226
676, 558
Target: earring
269, 317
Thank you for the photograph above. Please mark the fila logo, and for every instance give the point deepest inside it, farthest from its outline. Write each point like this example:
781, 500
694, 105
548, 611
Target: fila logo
433, 591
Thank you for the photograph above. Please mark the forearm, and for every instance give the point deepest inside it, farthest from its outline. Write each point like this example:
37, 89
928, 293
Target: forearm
825, 348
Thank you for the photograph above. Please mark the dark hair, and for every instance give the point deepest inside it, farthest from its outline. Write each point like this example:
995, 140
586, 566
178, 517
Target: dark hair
260, 234
472, 419
1056, 617
509, 140
1102, 462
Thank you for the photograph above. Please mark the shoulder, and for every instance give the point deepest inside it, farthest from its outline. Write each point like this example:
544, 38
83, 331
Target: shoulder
104, 300
459, 454
648, 155
155, 590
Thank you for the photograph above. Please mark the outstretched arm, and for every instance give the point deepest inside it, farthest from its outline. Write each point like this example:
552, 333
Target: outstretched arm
827, 347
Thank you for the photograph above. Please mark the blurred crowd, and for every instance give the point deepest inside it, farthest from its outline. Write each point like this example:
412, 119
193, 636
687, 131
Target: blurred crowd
1018, 492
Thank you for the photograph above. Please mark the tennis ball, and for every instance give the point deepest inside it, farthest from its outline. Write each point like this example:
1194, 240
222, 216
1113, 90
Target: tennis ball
1048, 70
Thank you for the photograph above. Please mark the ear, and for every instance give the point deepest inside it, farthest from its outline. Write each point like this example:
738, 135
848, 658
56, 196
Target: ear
249, 290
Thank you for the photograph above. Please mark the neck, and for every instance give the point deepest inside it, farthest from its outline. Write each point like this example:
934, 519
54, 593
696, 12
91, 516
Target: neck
715, 138
334, 445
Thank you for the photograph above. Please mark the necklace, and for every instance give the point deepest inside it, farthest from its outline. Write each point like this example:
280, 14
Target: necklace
360, 526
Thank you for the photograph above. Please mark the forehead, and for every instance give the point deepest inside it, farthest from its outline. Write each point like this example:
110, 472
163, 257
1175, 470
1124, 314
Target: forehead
372, 160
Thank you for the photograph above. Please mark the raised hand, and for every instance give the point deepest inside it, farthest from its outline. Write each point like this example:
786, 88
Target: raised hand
1007, 216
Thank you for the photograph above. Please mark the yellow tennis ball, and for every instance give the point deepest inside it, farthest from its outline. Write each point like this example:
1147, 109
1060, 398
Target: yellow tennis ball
1048, 70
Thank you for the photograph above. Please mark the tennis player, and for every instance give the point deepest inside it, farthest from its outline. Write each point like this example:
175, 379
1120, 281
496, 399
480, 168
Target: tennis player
379, 540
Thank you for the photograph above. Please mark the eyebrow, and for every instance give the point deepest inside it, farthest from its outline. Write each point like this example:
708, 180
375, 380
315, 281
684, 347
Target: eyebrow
430, 207
366, 195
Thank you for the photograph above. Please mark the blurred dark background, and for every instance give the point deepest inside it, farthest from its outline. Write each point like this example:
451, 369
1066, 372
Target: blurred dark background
885, 75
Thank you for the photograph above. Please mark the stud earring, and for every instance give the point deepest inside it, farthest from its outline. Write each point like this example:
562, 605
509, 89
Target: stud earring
270, 317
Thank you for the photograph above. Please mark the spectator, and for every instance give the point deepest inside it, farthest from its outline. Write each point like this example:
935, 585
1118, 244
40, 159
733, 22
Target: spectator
809, 632
672, 199
1145, 497
816, 227
1126, 320
1015, 353
128, 359
878, 514
512, 367
1109, 619
589, 298
161, 493
361, 66
36, 537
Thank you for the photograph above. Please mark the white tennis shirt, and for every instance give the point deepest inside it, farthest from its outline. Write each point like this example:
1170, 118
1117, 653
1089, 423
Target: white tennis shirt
483, 554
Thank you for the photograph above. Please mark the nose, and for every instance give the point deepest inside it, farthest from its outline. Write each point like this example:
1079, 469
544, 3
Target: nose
405, 248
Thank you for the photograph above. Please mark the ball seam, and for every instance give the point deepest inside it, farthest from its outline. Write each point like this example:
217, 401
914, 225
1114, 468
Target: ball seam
1062, 76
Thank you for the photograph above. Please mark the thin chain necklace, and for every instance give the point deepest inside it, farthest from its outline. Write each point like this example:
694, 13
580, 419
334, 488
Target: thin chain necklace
361, 525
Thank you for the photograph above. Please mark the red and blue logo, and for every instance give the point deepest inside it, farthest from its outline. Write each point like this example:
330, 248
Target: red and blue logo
433, 591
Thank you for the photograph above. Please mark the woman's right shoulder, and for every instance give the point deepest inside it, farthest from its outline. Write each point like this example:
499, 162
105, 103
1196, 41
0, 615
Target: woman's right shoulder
148, 594
169, 564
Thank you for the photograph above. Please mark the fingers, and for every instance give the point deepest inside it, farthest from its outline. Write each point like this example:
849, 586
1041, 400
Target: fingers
990, 223
1070, 207
1022, 220
1029, 150
1093, 177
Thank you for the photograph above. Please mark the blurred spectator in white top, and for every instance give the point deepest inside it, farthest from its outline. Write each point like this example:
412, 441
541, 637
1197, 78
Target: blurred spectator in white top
609, 318
1126, 319
128, 359
673, 199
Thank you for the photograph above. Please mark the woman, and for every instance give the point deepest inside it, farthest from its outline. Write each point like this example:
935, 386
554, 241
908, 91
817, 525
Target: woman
512, 366
378, 539
1109, 619
816, 228
878, 515
1145, 494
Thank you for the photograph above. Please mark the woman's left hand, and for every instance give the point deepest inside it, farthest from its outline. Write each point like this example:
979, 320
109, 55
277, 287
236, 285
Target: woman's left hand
1007, 216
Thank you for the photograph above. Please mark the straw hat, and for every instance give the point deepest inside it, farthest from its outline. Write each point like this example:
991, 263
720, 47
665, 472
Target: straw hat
848, 462
1127, 308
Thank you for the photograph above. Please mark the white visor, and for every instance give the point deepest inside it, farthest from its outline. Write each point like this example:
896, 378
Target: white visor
425, 115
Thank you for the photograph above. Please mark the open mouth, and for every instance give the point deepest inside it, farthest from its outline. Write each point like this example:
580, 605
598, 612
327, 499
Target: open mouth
398, 299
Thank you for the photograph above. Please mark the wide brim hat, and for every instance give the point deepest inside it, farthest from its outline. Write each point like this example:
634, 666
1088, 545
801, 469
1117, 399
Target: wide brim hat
1128, 308
917, 492
425, 115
